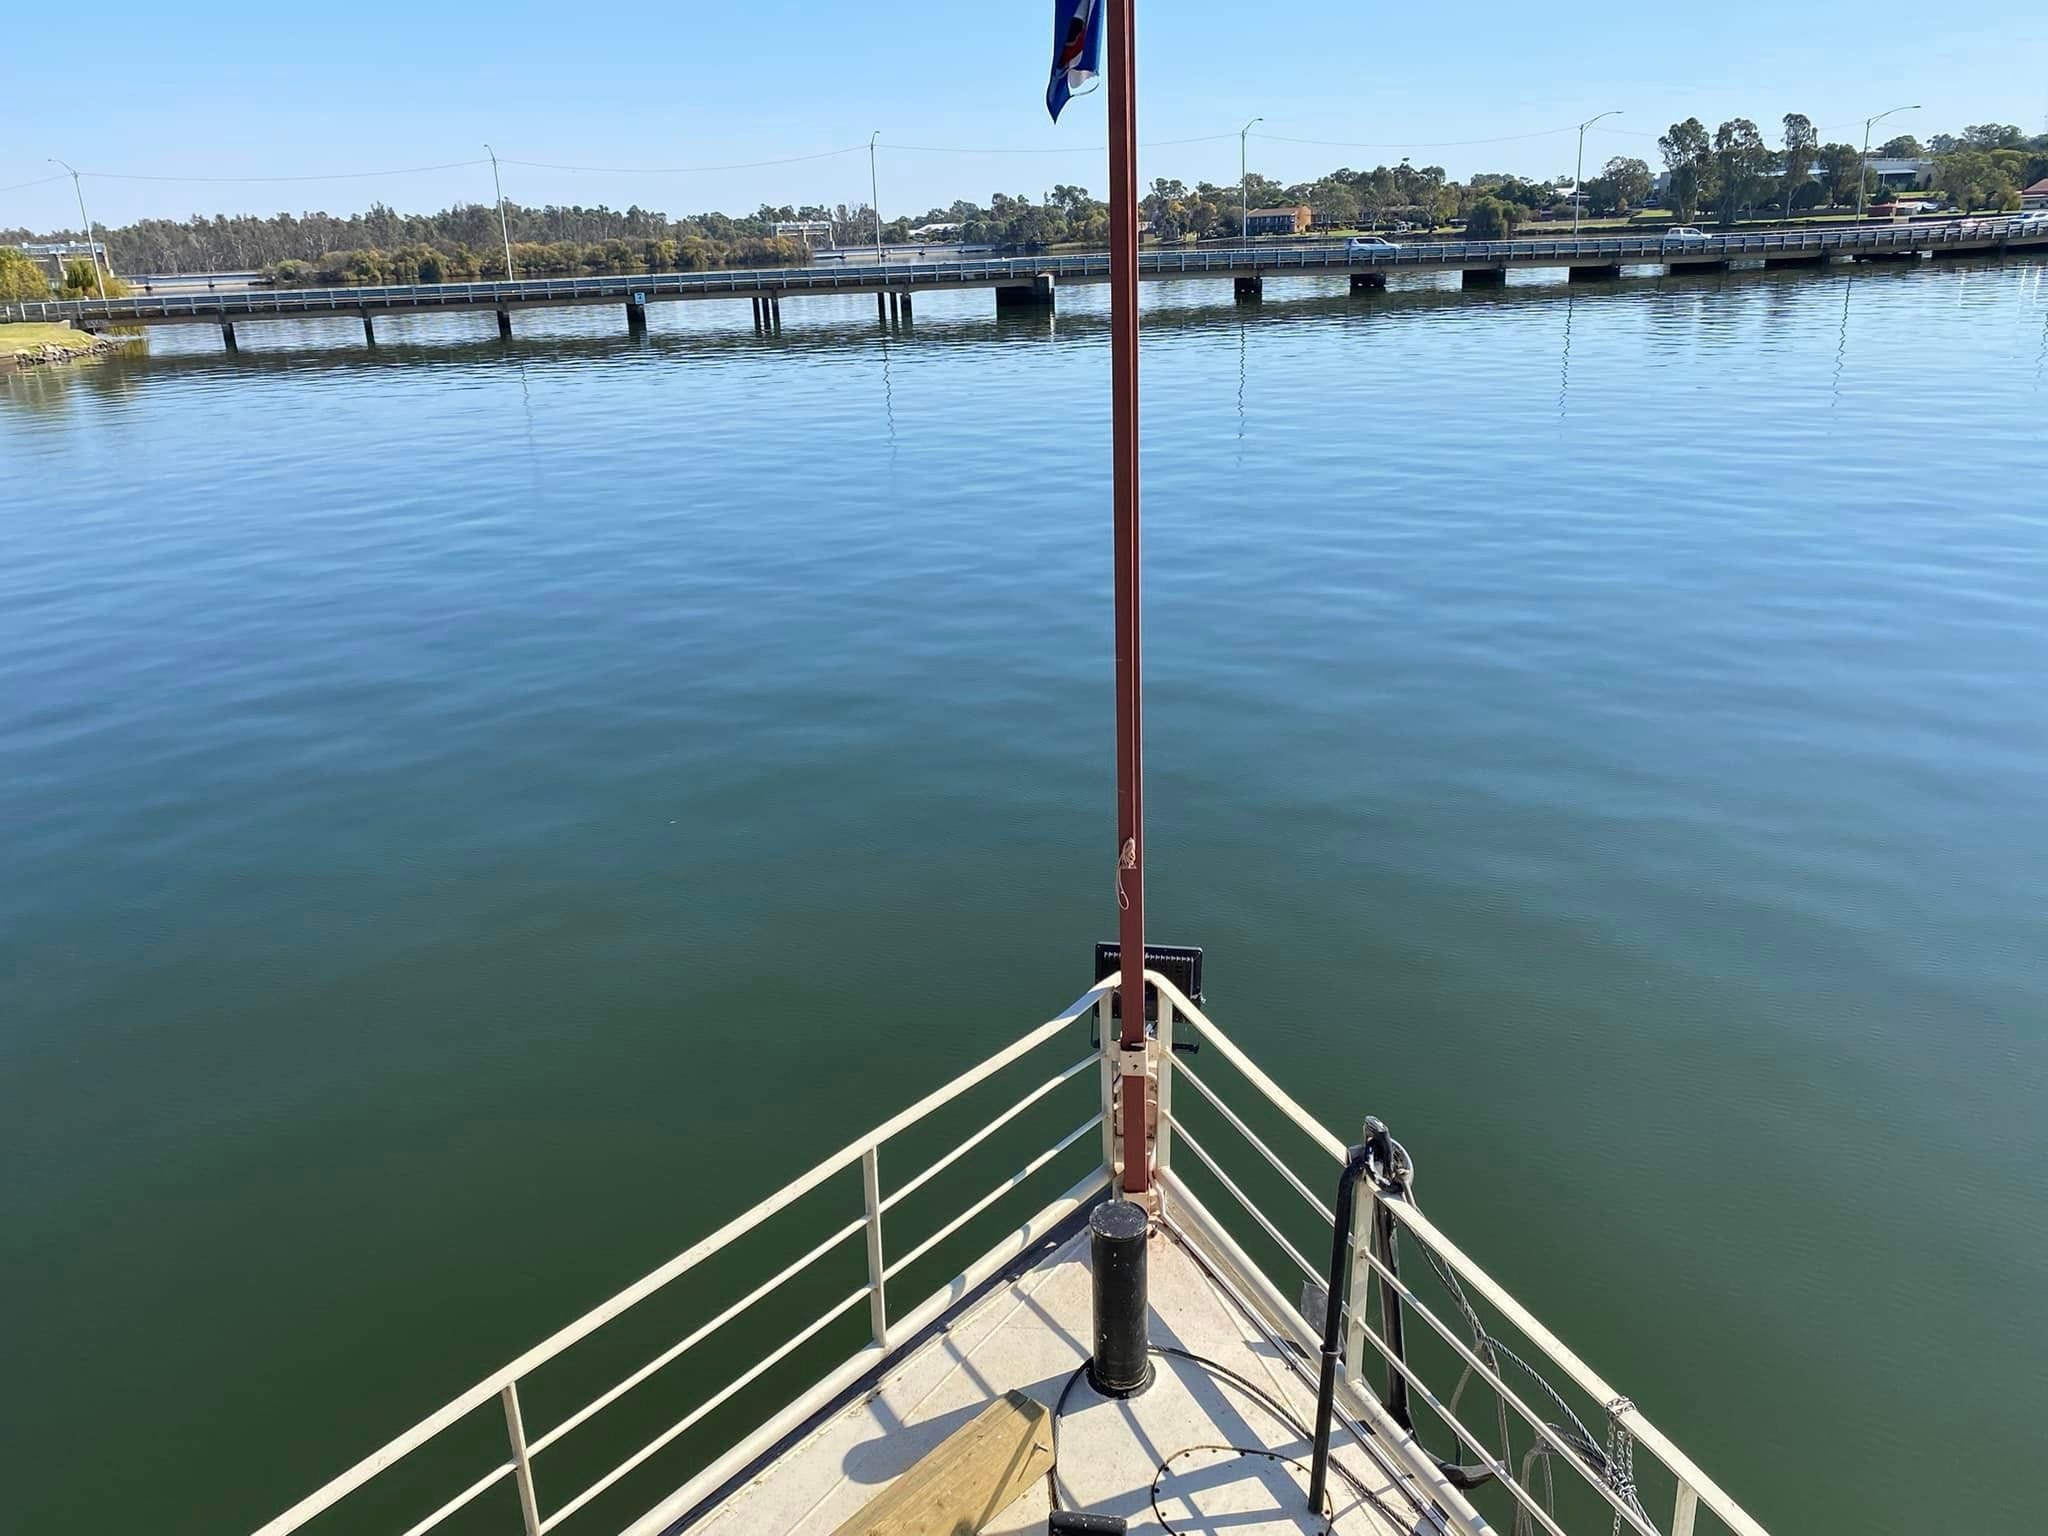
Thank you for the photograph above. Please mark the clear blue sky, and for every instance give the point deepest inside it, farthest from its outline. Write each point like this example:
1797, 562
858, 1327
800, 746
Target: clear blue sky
281, 91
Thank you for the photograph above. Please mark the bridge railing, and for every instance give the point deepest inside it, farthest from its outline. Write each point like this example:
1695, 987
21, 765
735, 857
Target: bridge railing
984, 271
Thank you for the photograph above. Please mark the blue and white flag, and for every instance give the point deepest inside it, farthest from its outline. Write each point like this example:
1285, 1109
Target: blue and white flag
1076, 51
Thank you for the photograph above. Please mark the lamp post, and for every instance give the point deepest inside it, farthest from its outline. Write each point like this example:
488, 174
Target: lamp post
91, 251
875, 195
1244, 197
1863, 165
1579, 171
504, 231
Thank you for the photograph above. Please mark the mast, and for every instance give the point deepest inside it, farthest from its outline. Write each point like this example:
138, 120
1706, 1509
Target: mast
1130, 725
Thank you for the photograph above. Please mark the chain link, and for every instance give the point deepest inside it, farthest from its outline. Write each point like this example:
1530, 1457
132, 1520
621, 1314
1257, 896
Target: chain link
1621, 1457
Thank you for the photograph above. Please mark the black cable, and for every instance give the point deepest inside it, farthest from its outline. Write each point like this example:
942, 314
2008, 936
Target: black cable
1250, 1388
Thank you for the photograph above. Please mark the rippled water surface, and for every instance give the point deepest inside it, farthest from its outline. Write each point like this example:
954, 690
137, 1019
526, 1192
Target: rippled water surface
475, 814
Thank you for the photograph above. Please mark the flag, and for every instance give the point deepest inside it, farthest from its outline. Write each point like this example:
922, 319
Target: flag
1076, 51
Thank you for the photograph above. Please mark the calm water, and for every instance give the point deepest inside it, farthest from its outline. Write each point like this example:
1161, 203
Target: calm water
454, 801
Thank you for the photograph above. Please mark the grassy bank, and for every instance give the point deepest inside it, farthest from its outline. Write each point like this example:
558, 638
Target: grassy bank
33, 343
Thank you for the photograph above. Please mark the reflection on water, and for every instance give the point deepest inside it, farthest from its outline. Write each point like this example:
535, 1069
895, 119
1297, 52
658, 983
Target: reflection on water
1571, 743
1564, 362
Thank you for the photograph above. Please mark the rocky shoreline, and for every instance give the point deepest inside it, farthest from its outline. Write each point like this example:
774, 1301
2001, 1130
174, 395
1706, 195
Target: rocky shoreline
47, 353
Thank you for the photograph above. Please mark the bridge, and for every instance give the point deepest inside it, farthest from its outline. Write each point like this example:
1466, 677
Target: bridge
1034, 280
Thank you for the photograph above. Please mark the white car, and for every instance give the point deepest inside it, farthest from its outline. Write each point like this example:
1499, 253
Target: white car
1686, 232
1369, 245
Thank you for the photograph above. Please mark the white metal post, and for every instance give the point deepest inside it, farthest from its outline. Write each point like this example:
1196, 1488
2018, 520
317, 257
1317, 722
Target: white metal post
875, 193
99, 279
1102, 1030
1579, 172
1683, 1512
504, 232
522, 1463
1863, 165
1162, 1150
1244, 197
1363, 1213
871, 1197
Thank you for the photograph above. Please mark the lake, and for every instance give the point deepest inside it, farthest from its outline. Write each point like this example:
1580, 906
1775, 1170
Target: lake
476, 814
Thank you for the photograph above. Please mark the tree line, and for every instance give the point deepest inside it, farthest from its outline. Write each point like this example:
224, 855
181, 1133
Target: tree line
1730, 173
1734, 172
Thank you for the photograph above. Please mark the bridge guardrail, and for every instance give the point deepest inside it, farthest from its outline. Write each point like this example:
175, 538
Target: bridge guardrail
1606, 249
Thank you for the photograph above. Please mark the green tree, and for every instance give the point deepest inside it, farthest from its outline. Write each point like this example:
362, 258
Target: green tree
1993, 136
1624, 183
1741, 161
82, 280
1688, 156
1972, 178
1904, 147
1841, 164
1492, 219
20, 278
1801, 142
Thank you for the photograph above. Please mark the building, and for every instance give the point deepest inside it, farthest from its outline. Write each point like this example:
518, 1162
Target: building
53, 254
1902, 175
1279, 221
817, 233
2035, 196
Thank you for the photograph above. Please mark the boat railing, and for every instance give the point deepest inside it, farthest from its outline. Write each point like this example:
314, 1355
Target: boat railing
1478, 1352
887, 1329
1520, 1377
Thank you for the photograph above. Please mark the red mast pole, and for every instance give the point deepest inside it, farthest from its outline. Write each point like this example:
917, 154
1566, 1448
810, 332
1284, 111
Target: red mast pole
1130, 727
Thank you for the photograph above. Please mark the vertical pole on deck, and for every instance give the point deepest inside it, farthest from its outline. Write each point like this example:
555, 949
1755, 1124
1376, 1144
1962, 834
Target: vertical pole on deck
1130, 745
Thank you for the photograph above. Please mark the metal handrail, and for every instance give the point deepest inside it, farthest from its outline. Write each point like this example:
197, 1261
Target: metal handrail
504, 1382
1694, 1487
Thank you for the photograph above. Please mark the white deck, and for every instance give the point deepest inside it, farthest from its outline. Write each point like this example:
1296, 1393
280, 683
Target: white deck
1030, 1334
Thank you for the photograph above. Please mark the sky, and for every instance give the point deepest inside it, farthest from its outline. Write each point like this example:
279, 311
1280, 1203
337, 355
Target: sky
170, 112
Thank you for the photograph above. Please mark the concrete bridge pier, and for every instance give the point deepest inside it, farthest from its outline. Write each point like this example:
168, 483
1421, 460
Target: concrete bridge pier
369, 330
1804, 259
505, 324
1368, 282
636, 312
1248, 290
1484, 277
882, 306
227, 333
755, 305
906, 305
1036, 294
775, 312
1594, 274
895, 307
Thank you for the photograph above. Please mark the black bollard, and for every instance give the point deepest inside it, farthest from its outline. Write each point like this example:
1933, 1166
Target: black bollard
1071, 1522
1121, 1365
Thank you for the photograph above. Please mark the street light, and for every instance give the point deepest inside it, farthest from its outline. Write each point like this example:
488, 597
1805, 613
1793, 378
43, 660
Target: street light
1863, 165
875, 195
504, 232
91, 251
1244, 203
1579, 171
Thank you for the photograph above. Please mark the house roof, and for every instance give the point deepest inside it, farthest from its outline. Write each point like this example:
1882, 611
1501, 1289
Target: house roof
2038, 189
1290, 211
